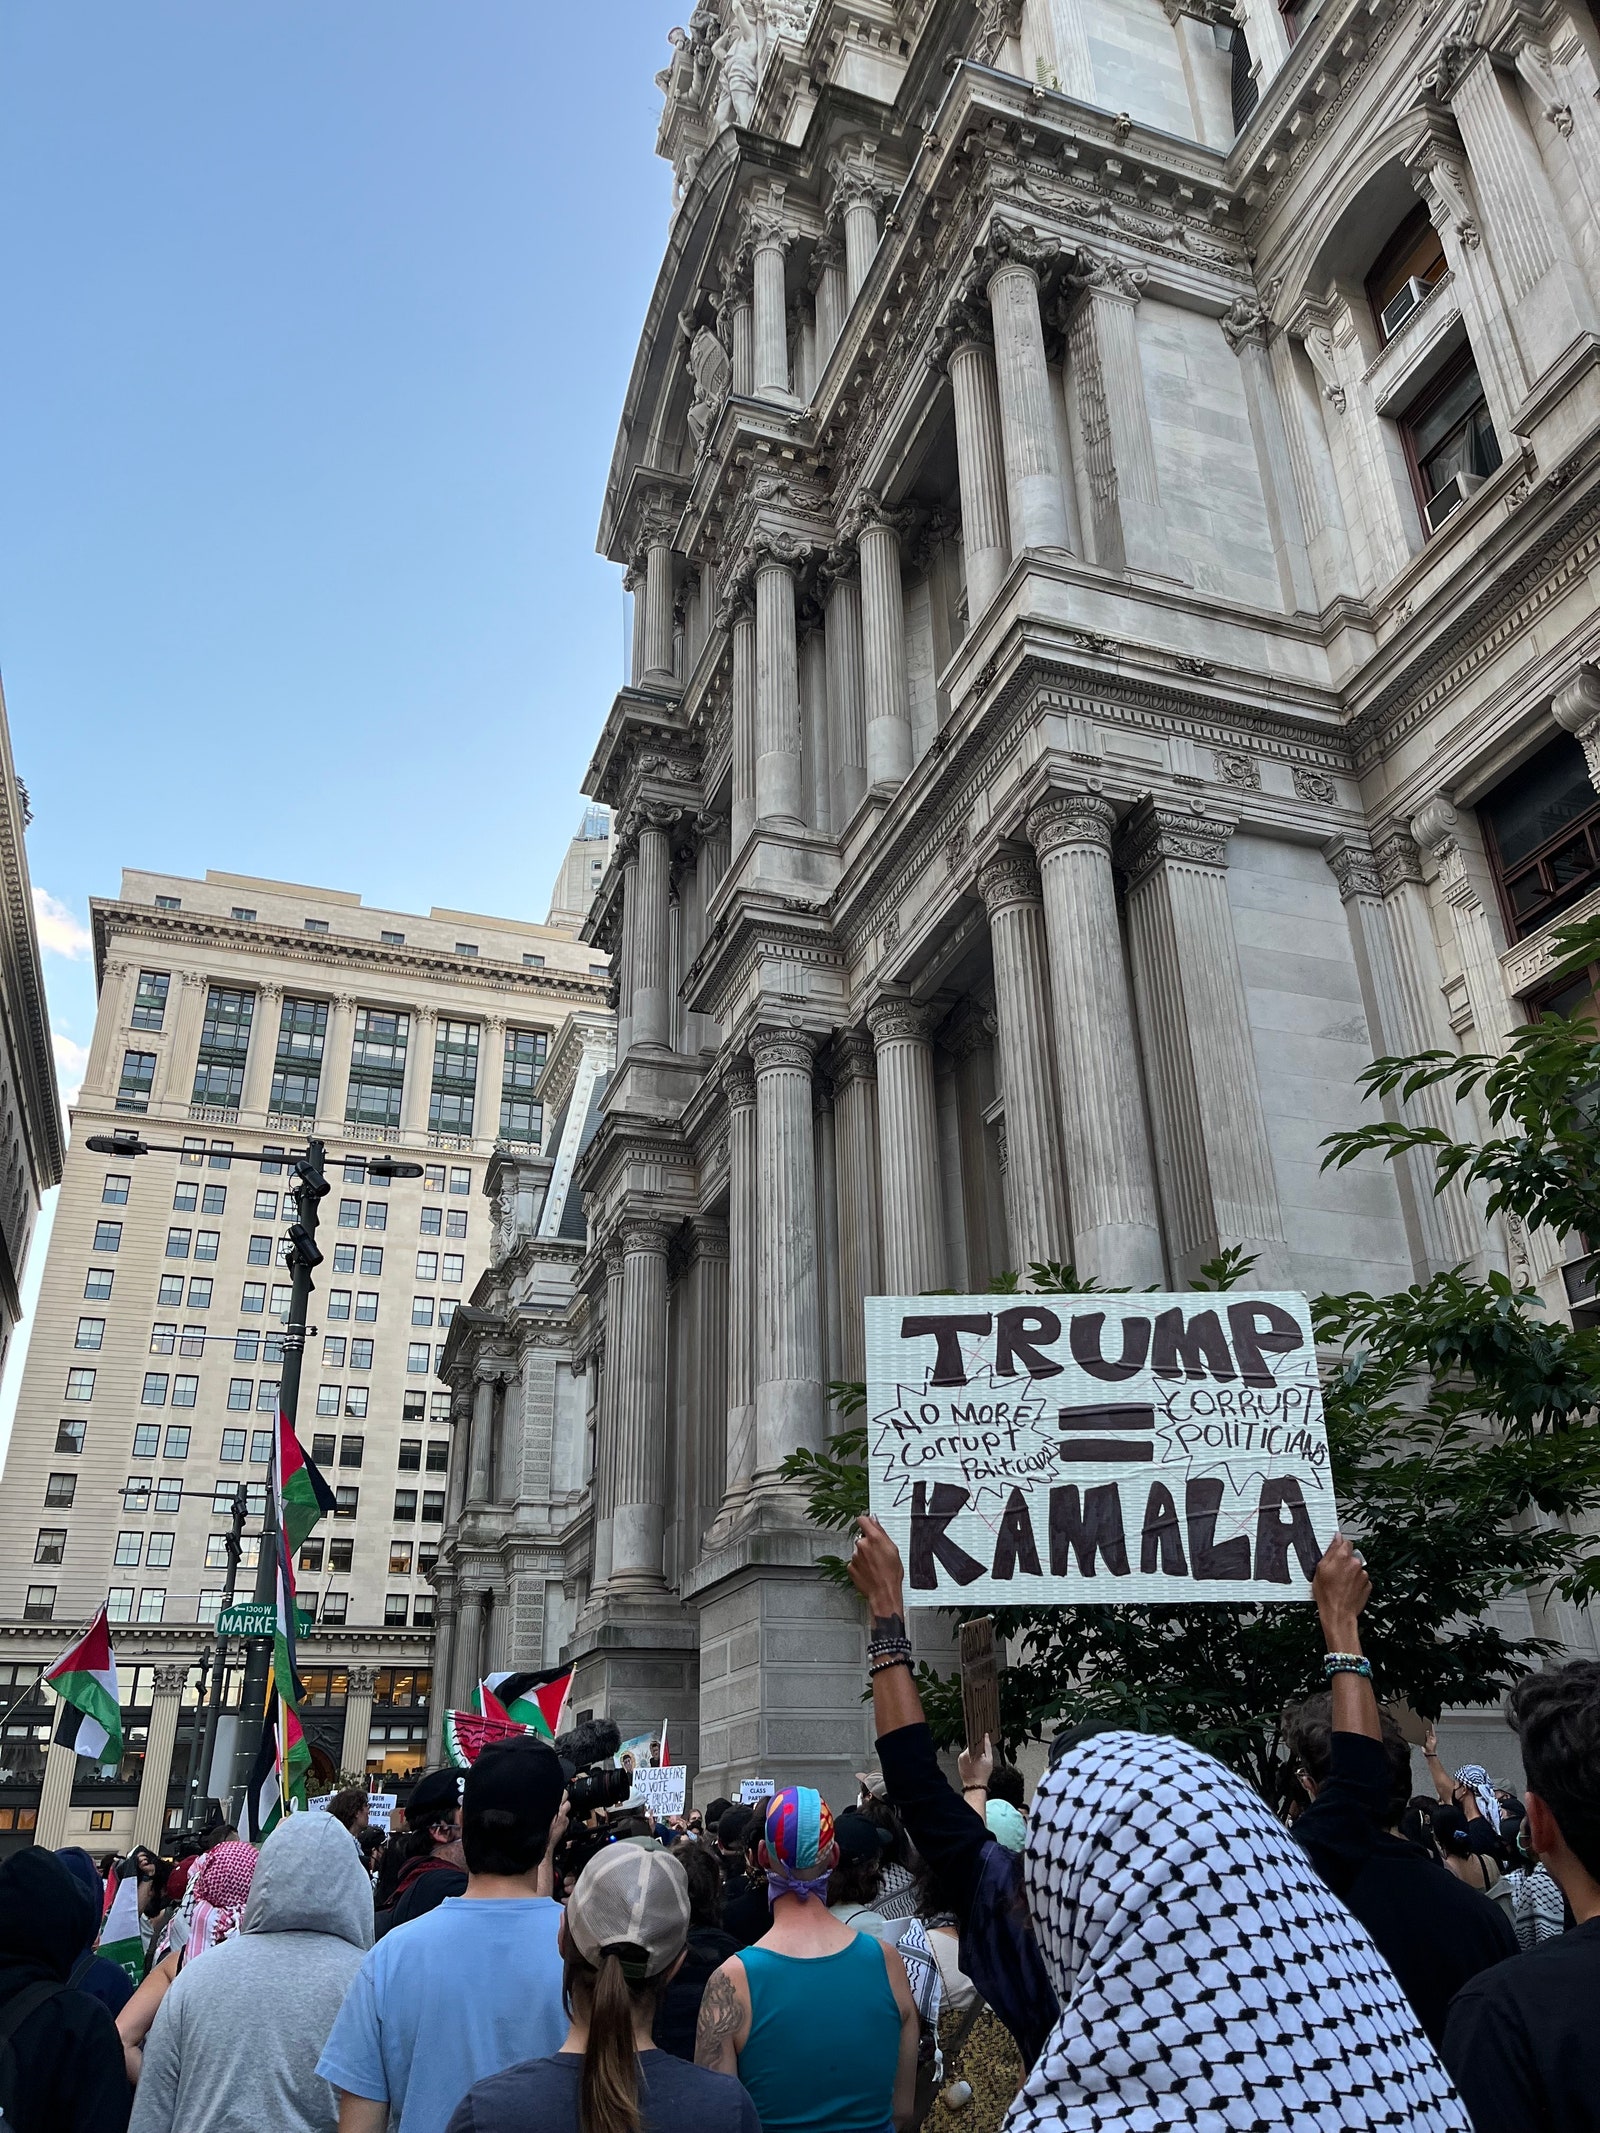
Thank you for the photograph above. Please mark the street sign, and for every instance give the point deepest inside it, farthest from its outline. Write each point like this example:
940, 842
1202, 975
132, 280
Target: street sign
257, 1618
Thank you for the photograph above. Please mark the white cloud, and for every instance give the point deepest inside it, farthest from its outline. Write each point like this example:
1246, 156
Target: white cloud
72, 1060
61, 931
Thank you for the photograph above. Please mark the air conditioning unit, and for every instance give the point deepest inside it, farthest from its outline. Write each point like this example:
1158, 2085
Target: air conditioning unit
1400, 307
1455, 491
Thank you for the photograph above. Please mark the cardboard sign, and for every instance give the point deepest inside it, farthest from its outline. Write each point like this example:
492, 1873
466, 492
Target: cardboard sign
752, 1791
1097, 1449
662, 1790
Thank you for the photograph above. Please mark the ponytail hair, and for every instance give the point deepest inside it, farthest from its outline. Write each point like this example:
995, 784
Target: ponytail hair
608, 2095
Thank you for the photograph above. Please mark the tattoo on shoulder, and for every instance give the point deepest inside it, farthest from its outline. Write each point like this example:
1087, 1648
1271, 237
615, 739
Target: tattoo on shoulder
719, 2018
888, 1625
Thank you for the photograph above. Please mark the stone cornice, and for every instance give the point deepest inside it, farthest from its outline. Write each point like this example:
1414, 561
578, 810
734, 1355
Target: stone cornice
340, 956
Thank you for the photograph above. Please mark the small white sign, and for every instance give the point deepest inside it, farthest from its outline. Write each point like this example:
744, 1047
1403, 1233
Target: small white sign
662, 1791
319, 1806
1100, 1448
752, 1791
381, 1807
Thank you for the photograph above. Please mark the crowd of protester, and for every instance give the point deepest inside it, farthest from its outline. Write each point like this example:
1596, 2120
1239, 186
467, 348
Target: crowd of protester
1145, 1943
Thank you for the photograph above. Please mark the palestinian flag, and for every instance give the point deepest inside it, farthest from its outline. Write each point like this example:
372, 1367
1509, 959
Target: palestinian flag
468, 1733
264, 1799
85, 1679
303, 1496
537, 1701
120, 1940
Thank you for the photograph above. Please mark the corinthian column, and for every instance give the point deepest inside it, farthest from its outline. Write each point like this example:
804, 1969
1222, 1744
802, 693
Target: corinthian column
1110, 1178
770, 240
651, 883
883, 642
603, 1485
658, 666
638, 1519
914, 1256
1576, 708
857, 188
980, 459
1027, 414
1218, 1186
739, 1086
262, 1056
847, 712
778, 793
738, 618
855, 1105
467, 1670
827, 278
155, 1774
1036, 1184
483, 1384
789, 1323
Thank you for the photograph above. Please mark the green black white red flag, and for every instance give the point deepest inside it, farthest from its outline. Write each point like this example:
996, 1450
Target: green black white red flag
303, 1496
120, 1939
85, 1679
535, 1700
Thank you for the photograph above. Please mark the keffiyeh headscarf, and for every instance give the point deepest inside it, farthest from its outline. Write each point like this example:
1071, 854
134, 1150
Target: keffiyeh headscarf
221, 1887
1207, 1978
1481, 1786
800, 1853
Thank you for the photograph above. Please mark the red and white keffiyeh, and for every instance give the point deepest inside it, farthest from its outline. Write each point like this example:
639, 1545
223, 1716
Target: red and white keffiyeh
222, 1888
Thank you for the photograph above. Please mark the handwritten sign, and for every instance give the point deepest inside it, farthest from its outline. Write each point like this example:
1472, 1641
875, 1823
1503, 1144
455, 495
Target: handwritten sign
662, 1791
1098, 1449
752, 1791
381, 1807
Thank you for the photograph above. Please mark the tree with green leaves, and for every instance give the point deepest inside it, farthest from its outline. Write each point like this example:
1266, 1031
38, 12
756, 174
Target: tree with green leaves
1463, 1436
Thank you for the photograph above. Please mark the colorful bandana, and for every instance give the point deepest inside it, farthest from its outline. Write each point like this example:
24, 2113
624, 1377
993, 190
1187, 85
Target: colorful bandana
222, 1888
800, 1846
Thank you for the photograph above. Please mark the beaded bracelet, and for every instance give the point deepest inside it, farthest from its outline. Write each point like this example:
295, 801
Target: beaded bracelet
877, 1646
883, 1666
1346, 1663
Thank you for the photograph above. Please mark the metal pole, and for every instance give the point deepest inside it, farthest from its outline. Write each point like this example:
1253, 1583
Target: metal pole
310, 1190
219, 1659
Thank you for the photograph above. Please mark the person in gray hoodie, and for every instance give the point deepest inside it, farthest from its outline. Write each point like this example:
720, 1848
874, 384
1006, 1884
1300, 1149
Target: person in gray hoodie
234, 2047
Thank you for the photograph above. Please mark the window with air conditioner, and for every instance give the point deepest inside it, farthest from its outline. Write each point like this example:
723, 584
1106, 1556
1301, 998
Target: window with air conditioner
1410, 264
1451, 442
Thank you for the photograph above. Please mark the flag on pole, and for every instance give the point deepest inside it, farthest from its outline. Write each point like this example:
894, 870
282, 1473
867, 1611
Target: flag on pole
303, 1496
85, 1679
663, 1759
300, 1498
535, 1700
120, 1941
468, 1733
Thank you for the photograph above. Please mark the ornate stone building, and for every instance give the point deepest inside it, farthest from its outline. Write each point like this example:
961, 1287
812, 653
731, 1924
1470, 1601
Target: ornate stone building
1109, 492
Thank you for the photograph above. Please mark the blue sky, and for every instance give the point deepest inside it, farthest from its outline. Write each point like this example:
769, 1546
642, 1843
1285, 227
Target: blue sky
319, 314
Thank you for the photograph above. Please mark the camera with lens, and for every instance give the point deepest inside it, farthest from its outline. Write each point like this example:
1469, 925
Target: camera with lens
592, 1780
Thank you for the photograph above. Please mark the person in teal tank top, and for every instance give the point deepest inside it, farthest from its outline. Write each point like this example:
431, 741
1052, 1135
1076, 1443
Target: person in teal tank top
816, 2019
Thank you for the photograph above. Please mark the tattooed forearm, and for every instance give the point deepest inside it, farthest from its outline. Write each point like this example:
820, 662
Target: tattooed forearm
888, 1625
714, 2036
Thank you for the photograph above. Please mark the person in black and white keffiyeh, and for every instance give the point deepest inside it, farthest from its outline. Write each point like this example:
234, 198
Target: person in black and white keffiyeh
1207, 1978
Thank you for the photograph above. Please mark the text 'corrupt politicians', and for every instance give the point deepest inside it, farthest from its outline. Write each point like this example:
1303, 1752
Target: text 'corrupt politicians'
1094, 1449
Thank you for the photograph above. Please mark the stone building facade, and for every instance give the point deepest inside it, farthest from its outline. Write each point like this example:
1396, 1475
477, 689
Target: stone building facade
237, 1017
1109, 492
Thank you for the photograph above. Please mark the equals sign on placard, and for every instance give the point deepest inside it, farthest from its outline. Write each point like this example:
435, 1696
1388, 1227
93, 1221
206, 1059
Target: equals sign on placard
1091, 1434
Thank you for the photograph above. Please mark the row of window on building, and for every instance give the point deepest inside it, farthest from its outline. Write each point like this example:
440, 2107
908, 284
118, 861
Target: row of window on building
378, 1056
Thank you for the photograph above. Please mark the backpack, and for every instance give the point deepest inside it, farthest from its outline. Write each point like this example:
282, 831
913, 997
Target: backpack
12, 2016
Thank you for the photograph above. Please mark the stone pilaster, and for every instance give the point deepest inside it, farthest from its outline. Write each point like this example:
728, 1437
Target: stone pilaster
419, 1079
467, 1666
1036, 1190
1386, 910
633, 583
739, 1086
828, 280
1103, 353
1311, 465
1244, 327
1479, 939
150, 1814
777, 722
1034, 495
788, 1309
706, 1345
826, 1159
816, 736
1379, 508
175, 1074
333, 1090
1218, 1187
914, 1256
55, 1795
855, 1099
482, 1458
1110, 1178
627, 956
738, 617
883, 638
980, 458
639, 1513
607, 1422
360, 1683
460, 1452
263, 1051
847, 712
1439, 172
651, 884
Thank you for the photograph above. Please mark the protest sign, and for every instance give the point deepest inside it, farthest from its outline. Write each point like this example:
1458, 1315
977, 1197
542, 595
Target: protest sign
1096, 1449
662, 1791
640, 1751
381, 1807
752, 1791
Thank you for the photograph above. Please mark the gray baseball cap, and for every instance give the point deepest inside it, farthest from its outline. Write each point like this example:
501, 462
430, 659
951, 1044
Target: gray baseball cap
635, 1901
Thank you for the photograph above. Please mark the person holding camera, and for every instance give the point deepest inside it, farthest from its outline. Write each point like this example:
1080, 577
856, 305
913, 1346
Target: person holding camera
474, 1985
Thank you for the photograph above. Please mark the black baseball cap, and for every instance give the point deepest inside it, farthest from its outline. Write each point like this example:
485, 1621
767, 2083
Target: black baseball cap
519, 1779
857, 1838
434, 1797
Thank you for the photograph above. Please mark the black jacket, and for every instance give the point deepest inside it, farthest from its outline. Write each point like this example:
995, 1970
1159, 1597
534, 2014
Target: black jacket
678, 2012
424, 1885
69, 2072
1431, 1929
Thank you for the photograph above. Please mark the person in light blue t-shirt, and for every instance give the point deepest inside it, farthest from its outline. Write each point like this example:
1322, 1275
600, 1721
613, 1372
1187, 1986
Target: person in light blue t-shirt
474, 1985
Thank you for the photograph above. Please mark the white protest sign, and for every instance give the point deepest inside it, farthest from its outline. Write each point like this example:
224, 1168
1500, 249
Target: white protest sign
381, 1807
320, 1804
752, 1791
662, 1790
1098, 1449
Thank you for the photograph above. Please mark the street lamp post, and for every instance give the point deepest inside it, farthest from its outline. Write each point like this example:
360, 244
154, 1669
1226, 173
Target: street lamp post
302, 1255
